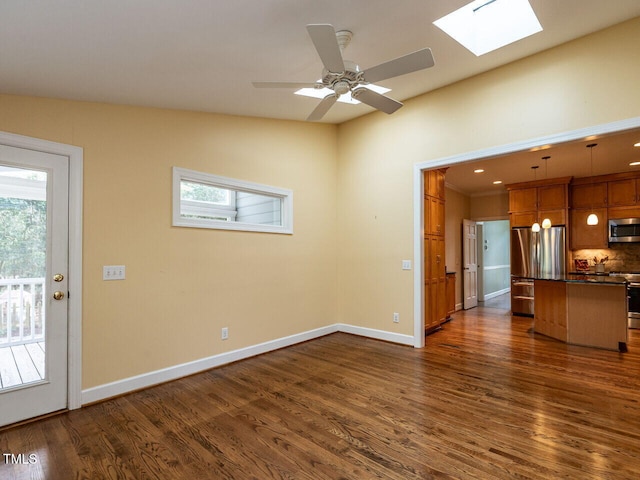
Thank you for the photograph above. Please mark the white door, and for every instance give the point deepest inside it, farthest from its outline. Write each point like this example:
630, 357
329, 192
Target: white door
470, 261
33, 283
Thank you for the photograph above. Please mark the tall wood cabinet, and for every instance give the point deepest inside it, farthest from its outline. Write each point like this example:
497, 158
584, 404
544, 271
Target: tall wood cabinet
434, 250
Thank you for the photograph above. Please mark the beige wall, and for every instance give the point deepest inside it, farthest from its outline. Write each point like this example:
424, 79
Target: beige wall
490, 207
587, 82
353, 207
456, 209
184, 284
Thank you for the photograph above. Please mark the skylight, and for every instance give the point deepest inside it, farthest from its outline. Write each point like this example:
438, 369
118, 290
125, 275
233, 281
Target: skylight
346, 98
486, 25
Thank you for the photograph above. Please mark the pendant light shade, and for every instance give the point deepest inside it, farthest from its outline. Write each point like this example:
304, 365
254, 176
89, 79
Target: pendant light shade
592, 219
535, 227
546, 223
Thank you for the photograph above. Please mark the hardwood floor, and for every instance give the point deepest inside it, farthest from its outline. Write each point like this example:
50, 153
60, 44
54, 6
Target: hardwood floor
485, 399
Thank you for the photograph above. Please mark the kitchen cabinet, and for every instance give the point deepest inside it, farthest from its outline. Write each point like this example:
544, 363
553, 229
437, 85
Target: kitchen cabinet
451, 293
589, 195
435, 216
435, 308
552, 197
588, 236
531, 202
623, 192
523, 200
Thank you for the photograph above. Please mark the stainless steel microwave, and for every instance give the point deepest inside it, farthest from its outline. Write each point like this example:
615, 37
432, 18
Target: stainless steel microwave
624, 230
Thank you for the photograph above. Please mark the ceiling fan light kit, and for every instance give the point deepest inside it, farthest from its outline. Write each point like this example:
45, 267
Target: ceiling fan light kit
344, 77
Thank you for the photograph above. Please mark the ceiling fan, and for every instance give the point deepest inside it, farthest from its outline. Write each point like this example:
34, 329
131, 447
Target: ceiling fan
344, 76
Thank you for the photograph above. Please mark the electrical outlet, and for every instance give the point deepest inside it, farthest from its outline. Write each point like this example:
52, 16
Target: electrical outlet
113, 272
396, 317
225, 333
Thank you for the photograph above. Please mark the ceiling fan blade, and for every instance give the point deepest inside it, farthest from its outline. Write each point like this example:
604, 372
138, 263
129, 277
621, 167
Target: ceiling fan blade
324, 39
375, 100
322, 108
286, 85
400, 66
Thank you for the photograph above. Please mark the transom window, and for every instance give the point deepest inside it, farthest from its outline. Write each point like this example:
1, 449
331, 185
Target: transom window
203, 200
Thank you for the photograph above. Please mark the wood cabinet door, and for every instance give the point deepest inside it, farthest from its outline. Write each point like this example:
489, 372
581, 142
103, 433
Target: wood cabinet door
552, 197
557, 217
523, 200
621, 192
436, 216
451, 294
435, 184
588, 236
592, 195
525, 219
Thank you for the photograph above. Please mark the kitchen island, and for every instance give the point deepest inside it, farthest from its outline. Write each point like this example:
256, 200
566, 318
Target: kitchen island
583, 310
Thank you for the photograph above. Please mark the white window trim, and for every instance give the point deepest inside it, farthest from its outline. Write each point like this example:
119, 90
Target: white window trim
183, 174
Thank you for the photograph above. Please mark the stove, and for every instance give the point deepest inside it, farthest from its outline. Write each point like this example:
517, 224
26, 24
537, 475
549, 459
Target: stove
633, 296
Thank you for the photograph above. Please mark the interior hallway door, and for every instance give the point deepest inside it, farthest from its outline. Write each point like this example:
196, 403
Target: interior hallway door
470, 261
33, 283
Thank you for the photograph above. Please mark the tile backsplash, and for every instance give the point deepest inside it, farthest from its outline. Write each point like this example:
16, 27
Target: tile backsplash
623, 257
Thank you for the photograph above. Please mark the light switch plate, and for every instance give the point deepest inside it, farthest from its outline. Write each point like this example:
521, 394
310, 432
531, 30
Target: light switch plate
406, 264
113, 272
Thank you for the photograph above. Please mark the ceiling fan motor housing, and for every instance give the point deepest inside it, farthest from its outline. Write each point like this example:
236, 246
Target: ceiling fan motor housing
343, 82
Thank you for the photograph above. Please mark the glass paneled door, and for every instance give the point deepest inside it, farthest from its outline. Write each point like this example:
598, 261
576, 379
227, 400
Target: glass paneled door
33, 283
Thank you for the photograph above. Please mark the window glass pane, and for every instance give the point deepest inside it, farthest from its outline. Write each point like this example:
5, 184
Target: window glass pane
204, 200
204, 193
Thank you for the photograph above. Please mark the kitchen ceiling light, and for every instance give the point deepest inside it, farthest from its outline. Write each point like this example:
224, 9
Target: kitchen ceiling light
497, 182
637, 144
486, 25
592, 219
478, 170
634, 164
535, 227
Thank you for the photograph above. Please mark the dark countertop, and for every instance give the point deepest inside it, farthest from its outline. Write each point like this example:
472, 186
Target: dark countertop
580, 278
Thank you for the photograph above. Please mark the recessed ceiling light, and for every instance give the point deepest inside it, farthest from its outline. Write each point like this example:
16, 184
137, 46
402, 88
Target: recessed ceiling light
633, 164
486, 25
346, 98
478, 170
637, 144
497, 182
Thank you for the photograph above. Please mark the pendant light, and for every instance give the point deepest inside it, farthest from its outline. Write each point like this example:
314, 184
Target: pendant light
592, 219
536, 226
546, 223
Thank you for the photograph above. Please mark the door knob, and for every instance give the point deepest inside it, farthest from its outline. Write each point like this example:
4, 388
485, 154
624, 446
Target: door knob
58, 277
58, 295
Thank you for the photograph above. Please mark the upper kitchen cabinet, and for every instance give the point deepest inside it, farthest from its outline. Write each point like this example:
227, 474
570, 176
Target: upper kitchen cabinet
523, 200
531, 202
623, 192
588, 195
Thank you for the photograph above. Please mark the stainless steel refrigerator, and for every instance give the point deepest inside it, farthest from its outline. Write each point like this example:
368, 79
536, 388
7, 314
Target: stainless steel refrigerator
534, 255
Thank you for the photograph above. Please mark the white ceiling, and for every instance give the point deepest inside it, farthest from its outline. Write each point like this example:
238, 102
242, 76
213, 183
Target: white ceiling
203, 54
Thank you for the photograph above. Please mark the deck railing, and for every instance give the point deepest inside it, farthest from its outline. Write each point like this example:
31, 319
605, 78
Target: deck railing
21, 311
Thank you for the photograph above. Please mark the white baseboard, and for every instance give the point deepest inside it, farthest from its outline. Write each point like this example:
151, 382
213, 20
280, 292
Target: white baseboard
120, 387
491, 295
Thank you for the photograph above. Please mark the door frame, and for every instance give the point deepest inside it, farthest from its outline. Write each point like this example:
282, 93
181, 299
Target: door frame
418, 196
74, 332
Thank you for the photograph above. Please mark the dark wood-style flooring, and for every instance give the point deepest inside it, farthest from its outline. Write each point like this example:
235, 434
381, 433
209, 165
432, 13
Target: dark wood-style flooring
486, 399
